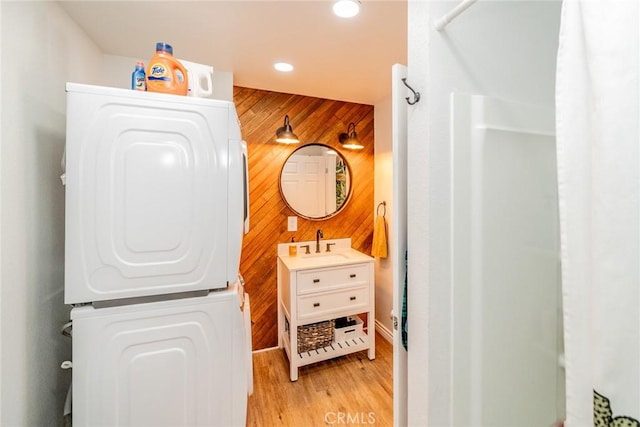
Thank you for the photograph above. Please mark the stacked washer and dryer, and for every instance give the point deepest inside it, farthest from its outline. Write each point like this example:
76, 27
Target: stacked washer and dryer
156, 208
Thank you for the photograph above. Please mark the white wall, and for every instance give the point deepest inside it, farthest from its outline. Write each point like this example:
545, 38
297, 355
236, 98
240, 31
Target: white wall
41, 50
383, 191
496, 48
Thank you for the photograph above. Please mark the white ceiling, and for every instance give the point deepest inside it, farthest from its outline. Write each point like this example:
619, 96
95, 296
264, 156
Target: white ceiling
334, 58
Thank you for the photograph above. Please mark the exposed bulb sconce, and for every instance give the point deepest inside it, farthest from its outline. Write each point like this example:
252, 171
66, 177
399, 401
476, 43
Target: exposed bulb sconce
350, 139
285, 134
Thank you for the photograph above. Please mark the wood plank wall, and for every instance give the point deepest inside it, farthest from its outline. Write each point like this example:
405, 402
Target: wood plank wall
313, 120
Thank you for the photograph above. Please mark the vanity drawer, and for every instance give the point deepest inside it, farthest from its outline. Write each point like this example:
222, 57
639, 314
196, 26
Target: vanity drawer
314, 305
323, 279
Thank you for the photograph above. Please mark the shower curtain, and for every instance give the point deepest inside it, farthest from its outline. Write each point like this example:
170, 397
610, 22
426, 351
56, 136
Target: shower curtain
598, 144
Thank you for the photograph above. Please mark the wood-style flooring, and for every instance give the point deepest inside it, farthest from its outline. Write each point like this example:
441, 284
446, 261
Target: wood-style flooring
349, 390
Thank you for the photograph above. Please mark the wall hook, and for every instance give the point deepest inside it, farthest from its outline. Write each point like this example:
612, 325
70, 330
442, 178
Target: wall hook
416, 95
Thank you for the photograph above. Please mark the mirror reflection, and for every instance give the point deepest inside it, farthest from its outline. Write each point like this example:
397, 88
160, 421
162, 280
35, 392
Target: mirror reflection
315, 181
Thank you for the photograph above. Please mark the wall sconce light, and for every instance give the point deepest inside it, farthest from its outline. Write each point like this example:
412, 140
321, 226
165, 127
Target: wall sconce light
285, 133
350, 139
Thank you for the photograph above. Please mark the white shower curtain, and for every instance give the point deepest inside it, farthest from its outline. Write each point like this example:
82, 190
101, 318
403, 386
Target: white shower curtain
598, 143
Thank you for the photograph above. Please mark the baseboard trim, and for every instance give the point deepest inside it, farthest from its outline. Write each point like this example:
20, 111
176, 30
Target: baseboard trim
262, 350
386, 333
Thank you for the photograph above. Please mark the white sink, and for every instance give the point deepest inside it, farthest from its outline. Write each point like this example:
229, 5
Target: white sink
328, 257
339, 256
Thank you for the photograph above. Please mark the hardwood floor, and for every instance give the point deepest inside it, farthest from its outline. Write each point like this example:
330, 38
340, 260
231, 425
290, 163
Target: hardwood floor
349, 390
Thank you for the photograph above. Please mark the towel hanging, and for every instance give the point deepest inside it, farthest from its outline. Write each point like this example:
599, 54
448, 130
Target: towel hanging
379, 248
404, 319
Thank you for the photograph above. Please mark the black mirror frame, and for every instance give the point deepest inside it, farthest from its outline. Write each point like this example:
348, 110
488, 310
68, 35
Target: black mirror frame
349, 190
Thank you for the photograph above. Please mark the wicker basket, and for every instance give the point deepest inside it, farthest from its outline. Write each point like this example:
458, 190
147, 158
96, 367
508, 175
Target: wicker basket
315, 335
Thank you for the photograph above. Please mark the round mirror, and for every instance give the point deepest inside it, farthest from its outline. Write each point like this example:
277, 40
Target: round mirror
315, 181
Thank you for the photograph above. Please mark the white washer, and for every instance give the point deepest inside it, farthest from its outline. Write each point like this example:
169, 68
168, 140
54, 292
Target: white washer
156, 194
170, 363
246, 314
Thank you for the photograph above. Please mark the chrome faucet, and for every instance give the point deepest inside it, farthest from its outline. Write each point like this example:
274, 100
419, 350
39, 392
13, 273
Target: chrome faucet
318, 237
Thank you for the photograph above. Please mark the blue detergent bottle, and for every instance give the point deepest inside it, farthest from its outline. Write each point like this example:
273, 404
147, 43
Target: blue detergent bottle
138, 78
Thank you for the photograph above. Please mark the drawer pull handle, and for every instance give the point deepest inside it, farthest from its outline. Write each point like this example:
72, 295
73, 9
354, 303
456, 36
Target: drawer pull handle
352, 275
352, 298
316, 280
316, 304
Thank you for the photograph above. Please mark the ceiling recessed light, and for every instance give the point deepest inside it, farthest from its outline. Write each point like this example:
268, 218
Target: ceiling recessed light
283, 66
346, 8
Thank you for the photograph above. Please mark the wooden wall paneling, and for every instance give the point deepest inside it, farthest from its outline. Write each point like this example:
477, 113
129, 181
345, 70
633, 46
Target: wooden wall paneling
313, 120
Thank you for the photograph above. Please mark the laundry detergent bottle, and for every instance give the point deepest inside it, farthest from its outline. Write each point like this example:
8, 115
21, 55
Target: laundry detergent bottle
165, 73
138, 78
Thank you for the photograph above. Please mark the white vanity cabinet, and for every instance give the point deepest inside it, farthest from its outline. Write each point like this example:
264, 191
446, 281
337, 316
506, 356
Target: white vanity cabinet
321, 287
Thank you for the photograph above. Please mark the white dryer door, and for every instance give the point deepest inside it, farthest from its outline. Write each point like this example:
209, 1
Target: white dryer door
169, 363
147, 194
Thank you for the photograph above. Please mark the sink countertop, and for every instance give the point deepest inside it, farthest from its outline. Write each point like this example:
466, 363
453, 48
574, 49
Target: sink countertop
337, 257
